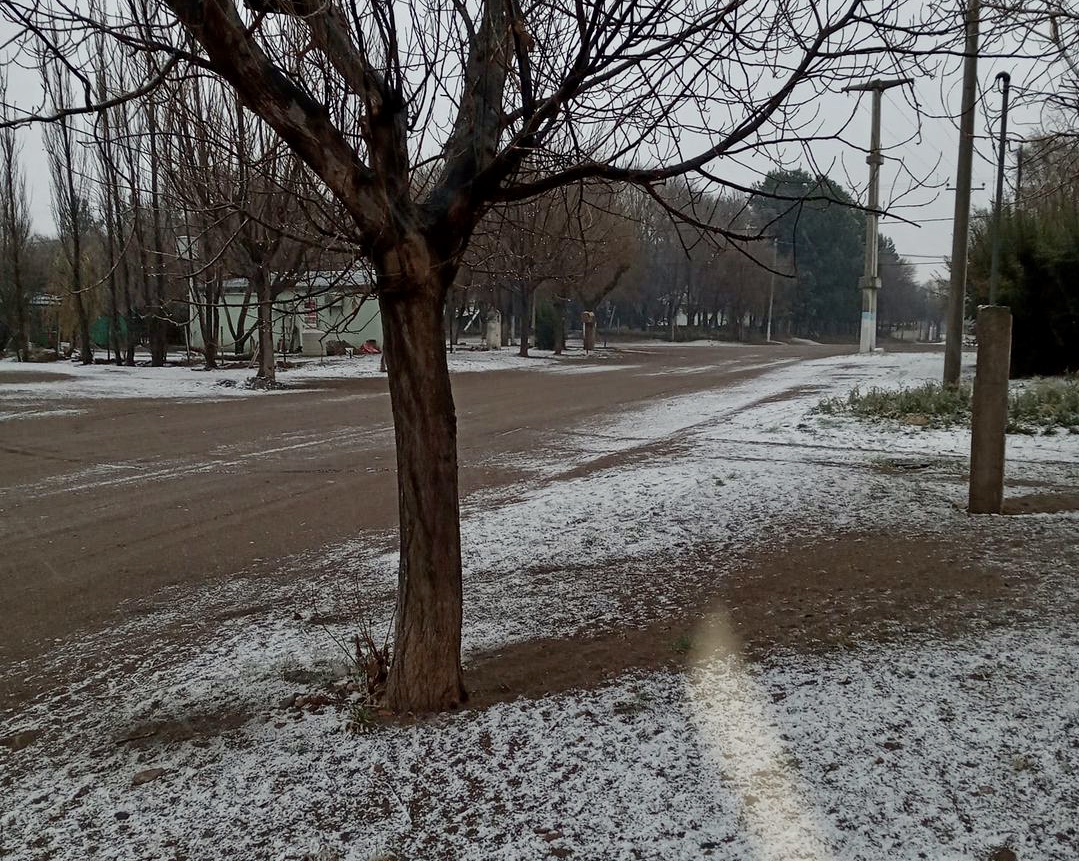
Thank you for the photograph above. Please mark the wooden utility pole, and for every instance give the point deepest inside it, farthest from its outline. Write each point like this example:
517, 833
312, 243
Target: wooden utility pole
953, 345
870, 282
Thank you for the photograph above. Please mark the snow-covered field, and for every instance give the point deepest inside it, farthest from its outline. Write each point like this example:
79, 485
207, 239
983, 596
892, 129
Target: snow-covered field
179, 382
933, 748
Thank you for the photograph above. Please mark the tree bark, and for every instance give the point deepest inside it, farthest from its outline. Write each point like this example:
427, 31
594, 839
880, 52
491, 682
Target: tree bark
86, 354
158, 337
238, 332
265, 327
209, 321
559, 325
528, 297
425, 675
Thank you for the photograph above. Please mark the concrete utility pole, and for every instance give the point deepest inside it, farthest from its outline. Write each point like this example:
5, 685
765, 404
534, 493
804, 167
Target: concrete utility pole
998, 205
870, 282
953, 345
989, 411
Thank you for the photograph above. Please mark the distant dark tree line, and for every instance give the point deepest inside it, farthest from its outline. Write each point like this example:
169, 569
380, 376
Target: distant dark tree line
1039, 240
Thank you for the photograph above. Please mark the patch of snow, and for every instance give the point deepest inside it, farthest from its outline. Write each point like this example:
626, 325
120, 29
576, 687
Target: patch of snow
645, 346
945, 751
71, 380
12, 411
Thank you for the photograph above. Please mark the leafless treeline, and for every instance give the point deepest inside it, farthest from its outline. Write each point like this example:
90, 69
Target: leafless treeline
158, 203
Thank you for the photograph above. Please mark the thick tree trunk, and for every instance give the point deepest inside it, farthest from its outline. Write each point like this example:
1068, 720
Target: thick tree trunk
559, 326
159, 346
425, 675
86, 355
528, 298
265, 326
209, 321
114, 321
239, 332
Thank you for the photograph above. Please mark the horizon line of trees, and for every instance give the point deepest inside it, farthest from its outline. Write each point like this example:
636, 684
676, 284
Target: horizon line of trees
571, 251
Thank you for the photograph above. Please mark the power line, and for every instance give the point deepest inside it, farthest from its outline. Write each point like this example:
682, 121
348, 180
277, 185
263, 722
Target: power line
950, 218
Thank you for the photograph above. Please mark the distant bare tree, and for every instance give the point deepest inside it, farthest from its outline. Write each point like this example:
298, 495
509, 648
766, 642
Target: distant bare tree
68, 172
200, 183
108, 134
14, 236
251, 208
526, 245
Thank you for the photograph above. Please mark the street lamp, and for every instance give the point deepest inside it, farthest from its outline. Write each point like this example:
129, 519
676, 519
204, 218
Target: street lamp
1005, 81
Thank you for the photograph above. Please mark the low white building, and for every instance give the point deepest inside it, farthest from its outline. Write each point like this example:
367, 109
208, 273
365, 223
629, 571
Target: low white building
319, 310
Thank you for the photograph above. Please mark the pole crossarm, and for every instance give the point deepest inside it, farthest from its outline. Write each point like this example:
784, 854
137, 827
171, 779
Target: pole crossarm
1005, 80
878, 84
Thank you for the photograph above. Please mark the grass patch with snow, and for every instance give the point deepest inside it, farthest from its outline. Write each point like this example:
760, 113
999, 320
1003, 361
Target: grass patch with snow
1045, 405
929, 404
1036, 406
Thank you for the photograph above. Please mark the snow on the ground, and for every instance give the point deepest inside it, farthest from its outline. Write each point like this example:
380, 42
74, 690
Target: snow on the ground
71, 380
941, 750
931, 749
656, 344
29, 413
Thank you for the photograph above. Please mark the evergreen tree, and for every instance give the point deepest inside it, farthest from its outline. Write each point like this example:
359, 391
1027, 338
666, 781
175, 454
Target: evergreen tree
817, 225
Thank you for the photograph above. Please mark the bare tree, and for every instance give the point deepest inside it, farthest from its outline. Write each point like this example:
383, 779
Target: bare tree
267, 182
526, 245
70, 201
200, 183
14, 236
250, 211
153, 242
602, 247
133, 175
107, 132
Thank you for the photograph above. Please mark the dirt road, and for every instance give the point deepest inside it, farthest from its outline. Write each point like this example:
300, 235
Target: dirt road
129, 496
